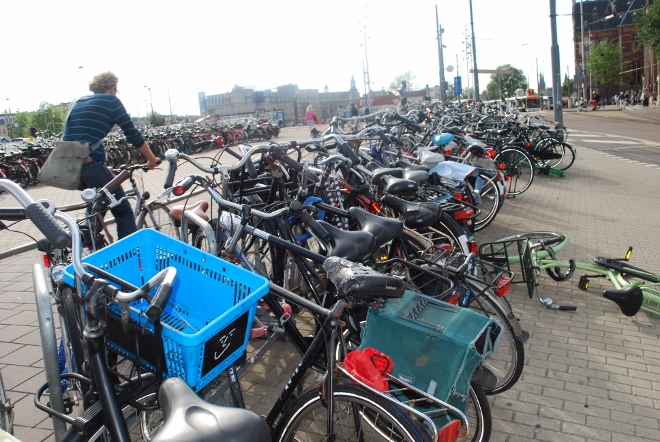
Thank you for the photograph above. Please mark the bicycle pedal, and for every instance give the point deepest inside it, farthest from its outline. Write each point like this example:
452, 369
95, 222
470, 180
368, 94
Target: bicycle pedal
583, 283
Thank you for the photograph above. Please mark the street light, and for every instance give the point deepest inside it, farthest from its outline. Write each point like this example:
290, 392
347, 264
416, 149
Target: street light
9, 119
151, 102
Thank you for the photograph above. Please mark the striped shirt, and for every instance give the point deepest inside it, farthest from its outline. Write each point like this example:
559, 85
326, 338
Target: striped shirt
91, 119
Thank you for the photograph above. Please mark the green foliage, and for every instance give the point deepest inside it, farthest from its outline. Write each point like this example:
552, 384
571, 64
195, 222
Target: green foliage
505, 84
604, 63
157, 119
49, 117
468, 92
396, 86
24, 120
566, 87
648, 26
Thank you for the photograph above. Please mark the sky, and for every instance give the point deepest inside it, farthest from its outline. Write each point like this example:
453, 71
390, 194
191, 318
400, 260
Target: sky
52, 49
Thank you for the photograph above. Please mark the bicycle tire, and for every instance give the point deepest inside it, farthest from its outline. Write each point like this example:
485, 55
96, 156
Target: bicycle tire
508, 361
518, 169
457, 234
479, 415
158, 219
306, 417
569, 156
550, 153
490, 202
6, 411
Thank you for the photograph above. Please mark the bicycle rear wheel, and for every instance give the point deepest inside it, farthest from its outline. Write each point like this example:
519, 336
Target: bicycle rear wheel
518, 169
358, 415
157, 218
6, 410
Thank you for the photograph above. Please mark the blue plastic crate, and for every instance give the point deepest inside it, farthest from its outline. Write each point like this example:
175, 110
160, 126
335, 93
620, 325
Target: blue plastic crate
207, 322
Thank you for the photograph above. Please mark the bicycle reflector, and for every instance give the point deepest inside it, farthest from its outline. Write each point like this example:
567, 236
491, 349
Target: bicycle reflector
450, 432
503, 287
46, 260
182, 186
472, 247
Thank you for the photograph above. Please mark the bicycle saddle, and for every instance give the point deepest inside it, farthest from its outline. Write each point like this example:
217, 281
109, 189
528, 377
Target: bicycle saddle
353, 246
189, 418
376, 178
409, 166
383, 229
357, 282
398, 185
415, 215
628, 299
199, 208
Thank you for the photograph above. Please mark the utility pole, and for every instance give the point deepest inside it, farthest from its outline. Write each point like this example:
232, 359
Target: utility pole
556, 78
474, 58
584, 92
439, 32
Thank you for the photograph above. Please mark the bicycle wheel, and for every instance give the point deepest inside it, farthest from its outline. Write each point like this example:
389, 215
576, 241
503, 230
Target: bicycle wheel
518, 169
479, 415
508, 361
489, 205
569, 156
157, 216
142, 425
358, 415
549, 153
452, 234
6, 410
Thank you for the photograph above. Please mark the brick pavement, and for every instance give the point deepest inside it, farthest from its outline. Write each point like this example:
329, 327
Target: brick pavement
590, 375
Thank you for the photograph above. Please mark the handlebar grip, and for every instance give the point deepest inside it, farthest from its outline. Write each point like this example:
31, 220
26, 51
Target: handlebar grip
408, 122
346, 150
13, 213
315, 227
382, 136
251, 170
47, 224
567, 307
170, 175
396, 140
159, 301
116, 181
182, 186
552, 241
279, 154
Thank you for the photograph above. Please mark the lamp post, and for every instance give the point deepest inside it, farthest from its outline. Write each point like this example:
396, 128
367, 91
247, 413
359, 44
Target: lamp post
439, 31
151, 102
477, 97
9, 119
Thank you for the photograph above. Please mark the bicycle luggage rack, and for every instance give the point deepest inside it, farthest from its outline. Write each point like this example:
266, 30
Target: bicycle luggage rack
504, 253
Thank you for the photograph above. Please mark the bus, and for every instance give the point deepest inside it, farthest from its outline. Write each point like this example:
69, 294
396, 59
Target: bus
523, 100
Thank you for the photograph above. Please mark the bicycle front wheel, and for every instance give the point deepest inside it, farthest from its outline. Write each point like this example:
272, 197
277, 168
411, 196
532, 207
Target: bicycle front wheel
358, 415
157, 216
518, 169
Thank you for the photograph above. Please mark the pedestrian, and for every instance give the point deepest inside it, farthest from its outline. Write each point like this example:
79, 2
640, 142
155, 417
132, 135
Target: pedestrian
403, 104
615, 100
348, 112
354, 110
626, 100
595, 100
654, 97
341, 114
310, 117
503, 105
645, 97
90, 119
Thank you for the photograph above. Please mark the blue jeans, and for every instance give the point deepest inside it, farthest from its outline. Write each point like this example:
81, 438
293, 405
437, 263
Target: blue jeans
97, 175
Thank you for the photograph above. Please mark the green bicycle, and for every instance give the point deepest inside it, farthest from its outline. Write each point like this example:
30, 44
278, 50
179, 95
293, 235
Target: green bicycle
634, 288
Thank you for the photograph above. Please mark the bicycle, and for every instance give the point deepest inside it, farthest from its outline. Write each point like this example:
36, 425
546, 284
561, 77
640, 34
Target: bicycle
6, 411
634, 288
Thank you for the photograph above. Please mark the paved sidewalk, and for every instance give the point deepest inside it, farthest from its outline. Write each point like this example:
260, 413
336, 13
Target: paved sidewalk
590, 375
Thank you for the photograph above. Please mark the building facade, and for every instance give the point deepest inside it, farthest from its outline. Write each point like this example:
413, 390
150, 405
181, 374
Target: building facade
613, 20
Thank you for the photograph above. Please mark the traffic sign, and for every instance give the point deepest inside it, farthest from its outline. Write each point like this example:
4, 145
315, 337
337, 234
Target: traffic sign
450, 68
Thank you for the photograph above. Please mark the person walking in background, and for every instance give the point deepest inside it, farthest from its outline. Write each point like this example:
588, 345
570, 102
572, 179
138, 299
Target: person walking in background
595, 100
90, 119
503, 105
341, 113
310, 117
354, 110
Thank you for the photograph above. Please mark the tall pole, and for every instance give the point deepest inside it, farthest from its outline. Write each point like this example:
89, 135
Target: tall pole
367, 86
474, 58
169, 101
439, 32
584, 91
556, 78
151, 102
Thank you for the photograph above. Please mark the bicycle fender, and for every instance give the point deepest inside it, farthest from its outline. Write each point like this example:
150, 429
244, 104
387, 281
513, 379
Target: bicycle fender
520, 334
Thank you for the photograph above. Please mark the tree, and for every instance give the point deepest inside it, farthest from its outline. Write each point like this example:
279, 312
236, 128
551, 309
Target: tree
648, 26
567, 87
157, 119
49, 117
505, 84
397, 85
603, 64
24, 121
468, 92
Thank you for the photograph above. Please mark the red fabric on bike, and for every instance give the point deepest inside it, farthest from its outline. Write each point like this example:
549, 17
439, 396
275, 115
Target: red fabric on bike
369, 366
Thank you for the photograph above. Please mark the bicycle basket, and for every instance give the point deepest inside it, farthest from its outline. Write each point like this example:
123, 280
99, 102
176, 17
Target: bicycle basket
443, 343
207, 321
